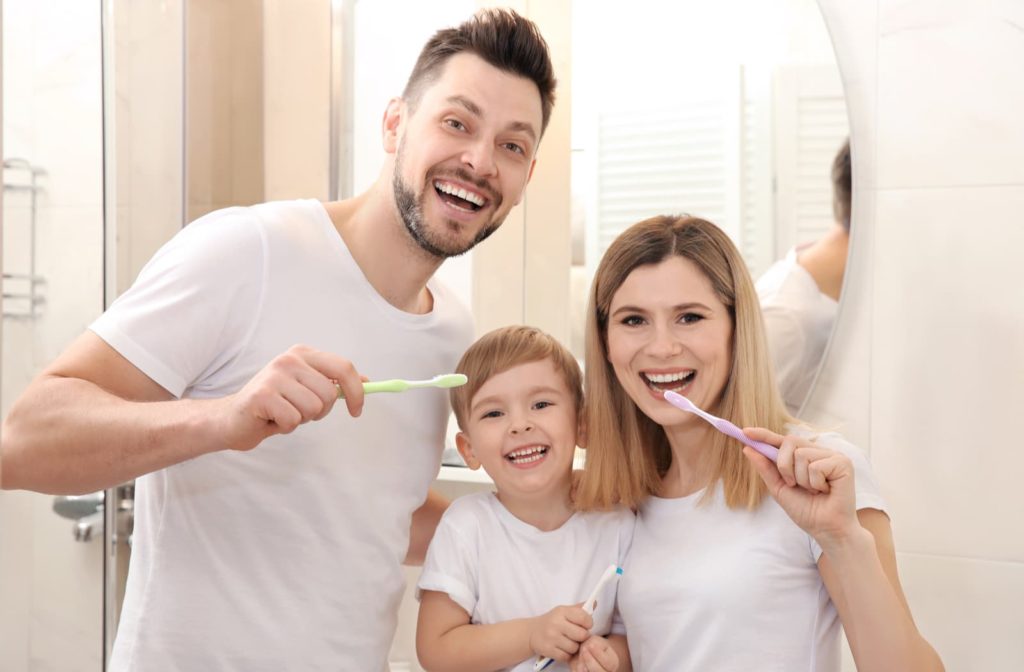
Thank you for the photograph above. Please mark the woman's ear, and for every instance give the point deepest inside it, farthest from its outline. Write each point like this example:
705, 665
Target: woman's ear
466, 450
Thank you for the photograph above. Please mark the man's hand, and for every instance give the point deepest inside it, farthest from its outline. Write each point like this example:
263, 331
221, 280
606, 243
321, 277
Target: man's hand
296, 387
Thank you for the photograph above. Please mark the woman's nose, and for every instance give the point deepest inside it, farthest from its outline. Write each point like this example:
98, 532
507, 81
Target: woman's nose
664, 343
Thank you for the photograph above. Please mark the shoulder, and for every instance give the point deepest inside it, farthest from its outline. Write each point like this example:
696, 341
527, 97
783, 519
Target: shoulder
470, 511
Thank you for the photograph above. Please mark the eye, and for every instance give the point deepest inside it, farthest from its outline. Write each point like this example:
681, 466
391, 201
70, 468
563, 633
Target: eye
540, 405
455, 124
491, 414
632, 321
515, 148
690, 318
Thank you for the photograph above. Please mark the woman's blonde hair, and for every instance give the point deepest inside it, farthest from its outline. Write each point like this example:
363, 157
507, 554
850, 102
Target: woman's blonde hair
628, 453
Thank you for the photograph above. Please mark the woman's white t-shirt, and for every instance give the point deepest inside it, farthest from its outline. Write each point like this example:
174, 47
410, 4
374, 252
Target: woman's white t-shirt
713, 588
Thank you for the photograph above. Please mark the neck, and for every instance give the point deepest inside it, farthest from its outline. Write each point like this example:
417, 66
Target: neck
547, 511
825, 260
690, 470
376, 237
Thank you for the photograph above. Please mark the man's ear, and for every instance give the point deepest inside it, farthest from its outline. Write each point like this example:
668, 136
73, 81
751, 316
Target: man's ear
466, 450
391, 125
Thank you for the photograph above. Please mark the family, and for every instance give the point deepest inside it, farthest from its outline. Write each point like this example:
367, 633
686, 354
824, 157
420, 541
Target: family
271, 528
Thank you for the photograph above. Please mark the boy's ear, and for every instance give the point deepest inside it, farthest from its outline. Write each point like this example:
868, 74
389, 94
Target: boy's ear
466, 450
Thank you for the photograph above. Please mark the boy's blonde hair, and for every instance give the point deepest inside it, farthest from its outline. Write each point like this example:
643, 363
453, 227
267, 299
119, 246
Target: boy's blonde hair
627, 452
499, 350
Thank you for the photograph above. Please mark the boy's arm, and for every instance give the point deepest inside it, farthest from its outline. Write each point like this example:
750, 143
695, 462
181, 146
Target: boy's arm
447, 642
424, 522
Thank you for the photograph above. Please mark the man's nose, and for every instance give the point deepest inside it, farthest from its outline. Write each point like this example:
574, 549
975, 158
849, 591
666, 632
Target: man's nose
479, 156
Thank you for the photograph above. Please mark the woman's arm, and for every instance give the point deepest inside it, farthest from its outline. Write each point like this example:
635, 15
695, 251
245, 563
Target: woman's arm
816, 488
861, 577
446, 641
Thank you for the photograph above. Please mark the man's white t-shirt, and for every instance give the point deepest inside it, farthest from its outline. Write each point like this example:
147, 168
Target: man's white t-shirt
714, 588
288, 556
499, 568
798, 321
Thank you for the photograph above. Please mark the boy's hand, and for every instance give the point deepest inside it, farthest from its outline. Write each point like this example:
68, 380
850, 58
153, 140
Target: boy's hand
595, 655
558, 633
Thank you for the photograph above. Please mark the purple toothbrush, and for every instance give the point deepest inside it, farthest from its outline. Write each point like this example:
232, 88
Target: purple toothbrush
722, 425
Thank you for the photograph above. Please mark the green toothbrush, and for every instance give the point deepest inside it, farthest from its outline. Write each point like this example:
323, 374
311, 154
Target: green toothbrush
444, 380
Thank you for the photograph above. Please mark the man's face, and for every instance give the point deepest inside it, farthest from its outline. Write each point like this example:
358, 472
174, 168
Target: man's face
464, 154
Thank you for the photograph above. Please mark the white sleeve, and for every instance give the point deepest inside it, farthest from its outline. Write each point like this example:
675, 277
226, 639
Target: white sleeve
868, 493
451, 563
193, 305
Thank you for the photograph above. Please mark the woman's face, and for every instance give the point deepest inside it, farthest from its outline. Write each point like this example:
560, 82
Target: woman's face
667, 330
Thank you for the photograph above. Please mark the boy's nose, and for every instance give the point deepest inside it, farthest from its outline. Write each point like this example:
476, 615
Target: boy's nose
521, 427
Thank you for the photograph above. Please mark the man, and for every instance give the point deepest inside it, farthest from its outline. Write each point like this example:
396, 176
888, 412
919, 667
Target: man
265, 541
800, 294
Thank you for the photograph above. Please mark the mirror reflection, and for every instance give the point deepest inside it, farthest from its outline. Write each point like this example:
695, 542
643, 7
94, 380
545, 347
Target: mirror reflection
735, 121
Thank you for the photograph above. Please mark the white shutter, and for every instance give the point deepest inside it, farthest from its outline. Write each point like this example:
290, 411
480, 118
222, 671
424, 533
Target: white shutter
810, 126
678, 156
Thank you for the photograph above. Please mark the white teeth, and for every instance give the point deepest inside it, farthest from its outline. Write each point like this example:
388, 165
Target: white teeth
667, 377
529, 454
475, 199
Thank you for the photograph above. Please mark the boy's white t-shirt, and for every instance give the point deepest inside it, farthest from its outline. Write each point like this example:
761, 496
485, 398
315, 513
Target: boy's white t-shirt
288, 556
499, 568
713, 588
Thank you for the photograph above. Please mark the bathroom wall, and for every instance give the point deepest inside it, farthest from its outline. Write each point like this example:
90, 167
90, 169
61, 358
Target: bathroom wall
50, 612
927, 368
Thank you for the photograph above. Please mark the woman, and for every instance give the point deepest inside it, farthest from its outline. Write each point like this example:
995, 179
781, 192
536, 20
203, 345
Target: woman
737, 563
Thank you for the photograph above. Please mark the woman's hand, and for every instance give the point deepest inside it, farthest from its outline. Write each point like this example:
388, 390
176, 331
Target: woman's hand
813, 485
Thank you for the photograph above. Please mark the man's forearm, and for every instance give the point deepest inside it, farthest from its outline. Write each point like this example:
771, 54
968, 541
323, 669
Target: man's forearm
69, 436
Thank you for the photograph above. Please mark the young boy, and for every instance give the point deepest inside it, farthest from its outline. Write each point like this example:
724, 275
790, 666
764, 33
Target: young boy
501, 563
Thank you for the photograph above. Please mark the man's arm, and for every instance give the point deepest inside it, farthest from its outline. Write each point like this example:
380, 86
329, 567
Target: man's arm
424, 522
92, 420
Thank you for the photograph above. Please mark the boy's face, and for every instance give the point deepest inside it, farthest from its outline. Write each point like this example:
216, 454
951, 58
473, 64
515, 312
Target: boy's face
521, 428
463, 156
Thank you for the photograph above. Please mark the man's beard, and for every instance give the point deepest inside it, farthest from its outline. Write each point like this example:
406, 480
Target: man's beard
411, 212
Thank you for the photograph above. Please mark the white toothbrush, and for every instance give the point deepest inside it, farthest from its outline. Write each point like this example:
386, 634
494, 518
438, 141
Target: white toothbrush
613, 572
445, 380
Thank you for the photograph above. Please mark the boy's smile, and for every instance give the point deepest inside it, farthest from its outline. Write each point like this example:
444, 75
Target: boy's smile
521, 428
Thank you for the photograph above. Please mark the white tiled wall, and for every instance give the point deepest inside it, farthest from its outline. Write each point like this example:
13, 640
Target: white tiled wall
928, 366
50, 586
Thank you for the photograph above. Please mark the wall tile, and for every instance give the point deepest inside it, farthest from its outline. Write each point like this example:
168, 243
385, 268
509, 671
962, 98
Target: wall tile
948, 361
956, 120
969, 610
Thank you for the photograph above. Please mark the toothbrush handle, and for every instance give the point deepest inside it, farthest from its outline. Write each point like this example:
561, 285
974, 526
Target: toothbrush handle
768, 450
378, 386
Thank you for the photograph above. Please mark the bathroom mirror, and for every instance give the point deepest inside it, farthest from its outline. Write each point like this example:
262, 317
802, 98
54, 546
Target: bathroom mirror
731, 111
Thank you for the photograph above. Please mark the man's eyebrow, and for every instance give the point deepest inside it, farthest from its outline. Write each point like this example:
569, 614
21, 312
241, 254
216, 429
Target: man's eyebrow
474, 109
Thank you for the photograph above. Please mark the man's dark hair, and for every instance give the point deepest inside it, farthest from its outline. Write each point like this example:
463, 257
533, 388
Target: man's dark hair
502, 38
842, 185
